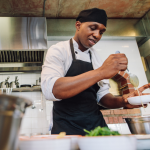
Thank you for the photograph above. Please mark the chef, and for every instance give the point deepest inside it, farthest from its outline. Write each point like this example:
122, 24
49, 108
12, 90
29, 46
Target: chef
76, 80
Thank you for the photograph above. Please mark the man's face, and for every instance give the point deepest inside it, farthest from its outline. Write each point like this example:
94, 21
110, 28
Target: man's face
89, 33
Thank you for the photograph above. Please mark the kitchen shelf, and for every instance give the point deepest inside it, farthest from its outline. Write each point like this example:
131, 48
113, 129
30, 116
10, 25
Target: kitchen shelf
25, 89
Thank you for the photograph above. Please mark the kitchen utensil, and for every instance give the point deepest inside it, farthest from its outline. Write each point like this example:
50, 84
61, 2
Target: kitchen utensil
132, 77
107, 143
136, 100
37, 82
12, 84
25, 85
16, 82
11, 113
3, 85
7, 83
139, 125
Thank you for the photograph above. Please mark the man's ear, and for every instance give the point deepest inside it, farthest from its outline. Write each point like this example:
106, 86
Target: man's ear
78, 24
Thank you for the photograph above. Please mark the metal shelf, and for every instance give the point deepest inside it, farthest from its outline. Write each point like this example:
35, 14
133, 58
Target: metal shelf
25, 89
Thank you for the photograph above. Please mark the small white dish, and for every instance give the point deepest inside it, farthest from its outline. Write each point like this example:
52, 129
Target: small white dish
138, 100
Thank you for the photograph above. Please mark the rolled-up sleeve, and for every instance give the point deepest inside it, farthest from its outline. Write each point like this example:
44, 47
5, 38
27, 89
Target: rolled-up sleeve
102, 91
52, 70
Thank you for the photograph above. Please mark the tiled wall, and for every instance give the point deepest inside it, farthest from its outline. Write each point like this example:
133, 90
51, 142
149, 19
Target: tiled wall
35, 121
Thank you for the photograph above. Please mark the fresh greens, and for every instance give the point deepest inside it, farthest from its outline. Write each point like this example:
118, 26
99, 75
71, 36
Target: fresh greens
98, 131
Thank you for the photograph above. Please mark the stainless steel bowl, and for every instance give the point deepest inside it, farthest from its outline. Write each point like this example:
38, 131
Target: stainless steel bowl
12, 109
139, 125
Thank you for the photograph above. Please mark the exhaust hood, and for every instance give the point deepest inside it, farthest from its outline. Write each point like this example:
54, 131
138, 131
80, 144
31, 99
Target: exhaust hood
23, 42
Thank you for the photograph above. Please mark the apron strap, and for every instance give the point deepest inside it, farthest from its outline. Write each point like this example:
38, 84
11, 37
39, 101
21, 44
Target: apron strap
72, 49
90, 56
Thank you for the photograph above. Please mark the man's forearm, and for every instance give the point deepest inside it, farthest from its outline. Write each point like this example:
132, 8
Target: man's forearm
111, 101
67, 87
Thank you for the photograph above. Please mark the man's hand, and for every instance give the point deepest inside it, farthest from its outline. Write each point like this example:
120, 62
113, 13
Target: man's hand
135, 93
113, 64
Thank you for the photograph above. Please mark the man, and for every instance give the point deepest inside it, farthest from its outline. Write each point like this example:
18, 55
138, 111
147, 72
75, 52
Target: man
74, 77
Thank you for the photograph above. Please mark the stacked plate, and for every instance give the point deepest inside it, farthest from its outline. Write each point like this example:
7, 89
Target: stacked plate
49, 142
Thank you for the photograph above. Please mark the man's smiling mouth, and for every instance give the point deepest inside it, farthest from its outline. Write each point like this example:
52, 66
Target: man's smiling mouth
92, 41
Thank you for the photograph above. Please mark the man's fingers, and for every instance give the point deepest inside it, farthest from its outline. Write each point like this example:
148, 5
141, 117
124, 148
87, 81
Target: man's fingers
145, 93
122, 67
145, 105
144, 87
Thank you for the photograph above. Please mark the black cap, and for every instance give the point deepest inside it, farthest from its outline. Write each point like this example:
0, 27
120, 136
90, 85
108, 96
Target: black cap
93, 15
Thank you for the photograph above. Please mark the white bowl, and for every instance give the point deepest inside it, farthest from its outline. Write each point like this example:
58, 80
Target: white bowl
138, 100
107, 143
40, 143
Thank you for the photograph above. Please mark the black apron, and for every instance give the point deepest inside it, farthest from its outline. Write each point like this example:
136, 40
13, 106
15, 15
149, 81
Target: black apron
79, 112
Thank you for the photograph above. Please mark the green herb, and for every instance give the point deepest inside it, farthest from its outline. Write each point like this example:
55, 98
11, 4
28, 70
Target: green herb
98, 131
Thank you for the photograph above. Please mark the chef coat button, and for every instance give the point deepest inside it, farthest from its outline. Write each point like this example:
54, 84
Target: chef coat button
76, 52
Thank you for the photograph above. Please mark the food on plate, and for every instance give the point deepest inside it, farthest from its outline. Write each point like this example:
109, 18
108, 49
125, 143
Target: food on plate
98, 131
61, 135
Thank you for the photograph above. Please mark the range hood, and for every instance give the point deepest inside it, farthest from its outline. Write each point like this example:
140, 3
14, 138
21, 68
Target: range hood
23, 41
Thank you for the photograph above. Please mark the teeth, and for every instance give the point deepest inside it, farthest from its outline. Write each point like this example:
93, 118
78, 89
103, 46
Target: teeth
92, 41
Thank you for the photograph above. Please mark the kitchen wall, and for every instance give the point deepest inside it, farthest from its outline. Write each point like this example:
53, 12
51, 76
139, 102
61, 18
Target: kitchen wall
36, 120
130, 49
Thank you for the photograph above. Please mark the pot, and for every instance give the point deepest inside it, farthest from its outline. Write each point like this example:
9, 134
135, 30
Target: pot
25, 85
139, 125
12, 109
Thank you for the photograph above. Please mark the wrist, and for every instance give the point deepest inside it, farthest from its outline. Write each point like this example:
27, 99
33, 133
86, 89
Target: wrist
124, 101
100, 73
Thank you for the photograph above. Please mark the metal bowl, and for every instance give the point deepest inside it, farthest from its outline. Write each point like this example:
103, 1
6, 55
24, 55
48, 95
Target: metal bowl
139, 125
12, 109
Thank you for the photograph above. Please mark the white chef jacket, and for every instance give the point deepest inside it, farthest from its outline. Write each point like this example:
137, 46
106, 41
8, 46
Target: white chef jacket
58, 61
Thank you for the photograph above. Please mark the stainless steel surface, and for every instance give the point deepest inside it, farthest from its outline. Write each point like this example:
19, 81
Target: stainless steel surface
26, 89
22, 40
57, 28
144, 27
139, 125
11, 112
21, 61
21, 67
22, 33
21, 56
145, 52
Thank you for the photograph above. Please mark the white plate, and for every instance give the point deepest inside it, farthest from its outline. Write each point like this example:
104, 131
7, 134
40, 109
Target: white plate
136, 100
